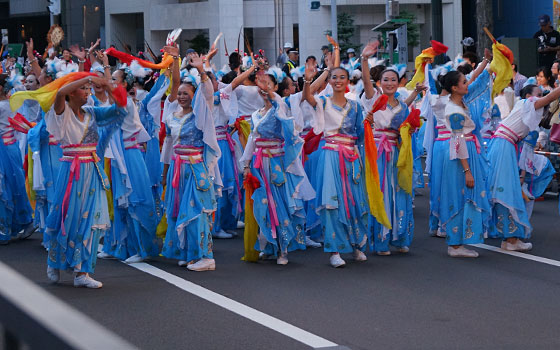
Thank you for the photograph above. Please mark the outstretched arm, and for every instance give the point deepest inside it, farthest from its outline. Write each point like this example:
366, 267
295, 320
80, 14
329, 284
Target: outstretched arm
176, 75
310, 71
32, 59
241, 77
367, 52
418, 89
481, 66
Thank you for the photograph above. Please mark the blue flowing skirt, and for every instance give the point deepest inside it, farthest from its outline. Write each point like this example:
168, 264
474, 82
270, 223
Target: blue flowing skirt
134, 227
464, 212
155, 169
50, 165
15, 210
86, 220
188, 234
227, 212
440, 151
509, 215
313, 221
290, 234
342, 233
399, 204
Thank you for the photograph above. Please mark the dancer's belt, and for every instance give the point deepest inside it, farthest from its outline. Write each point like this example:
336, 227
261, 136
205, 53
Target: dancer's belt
345, 146
443, 135
77, 154
183, 154
386, 138
132, 142
9, 138
506, 133
268, 148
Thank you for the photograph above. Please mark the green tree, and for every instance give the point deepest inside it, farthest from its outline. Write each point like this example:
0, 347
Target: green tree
412, 28
346, 28
199, 43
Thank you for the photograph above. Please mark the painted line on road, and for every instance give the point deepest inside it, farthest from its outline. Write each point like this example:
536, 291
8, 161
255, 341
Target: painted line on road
518, 254
243, 310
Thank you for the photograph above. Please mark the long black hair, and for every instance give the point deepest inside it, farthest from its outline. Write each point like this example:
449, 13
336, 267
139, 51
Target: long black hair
450, 80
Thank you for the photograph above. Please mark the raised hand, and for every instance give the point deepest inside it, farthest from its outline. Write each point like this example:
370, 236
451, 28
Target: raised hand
102, 57
310, 71
488, 54
420, 87
333, 42
171, 50
29, 44
92, 46
197, 61
77, 52
370, 49
262, 83
329, 61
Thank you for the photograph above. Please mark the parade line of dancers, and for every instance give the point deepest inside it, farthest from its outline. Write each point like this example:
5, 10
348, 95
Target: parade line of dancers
158, 158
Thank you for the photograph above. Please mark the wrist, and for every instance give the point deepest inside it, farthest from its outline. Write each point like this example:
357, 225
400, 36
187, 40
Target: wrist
81, 60
467, 170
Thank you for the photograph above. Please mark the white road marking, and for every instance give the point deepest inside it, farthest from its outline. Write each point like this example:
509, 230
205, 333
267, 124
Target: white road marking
254, 315
518, 254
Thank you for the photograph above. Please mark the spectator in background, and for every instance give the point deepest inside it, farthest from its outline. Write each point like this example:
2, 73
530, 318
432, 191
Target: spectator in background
351, 53
548, 41
554, 70
518, 80
292, 62
283, 58
544, 79
471, 58
235, 66
325, 50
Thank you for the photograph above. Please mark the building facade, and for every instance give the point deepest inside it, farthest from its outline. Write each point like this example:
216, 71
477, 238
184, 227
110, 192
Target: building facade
268, 24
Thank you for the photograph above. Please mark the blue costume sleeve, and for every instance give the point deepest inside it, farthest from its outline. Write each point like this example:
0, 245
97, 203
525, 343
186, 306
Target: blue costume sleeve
479, 99
108, 119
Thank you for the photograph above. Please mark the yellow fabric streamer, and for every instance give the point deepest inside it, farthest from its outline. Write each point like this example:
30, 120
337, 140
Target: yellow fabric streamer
251, 227
427, 55
46, 94
502, 67
109, 194
405, 162
373, 185
244, 128
29, 184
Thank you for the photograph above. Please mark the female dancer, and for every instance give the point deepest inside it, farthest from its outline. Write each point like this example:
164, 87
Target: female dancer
398, 203
510, 221
464, 208
341, 201
274, 147
229, 207
190, 157
15, 210
79, 215
133, 235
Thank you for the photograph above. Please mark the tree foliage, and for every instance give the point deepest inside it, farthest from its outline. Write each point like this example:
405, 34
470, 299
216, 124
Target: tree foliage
199, 43
346, 28
412, 28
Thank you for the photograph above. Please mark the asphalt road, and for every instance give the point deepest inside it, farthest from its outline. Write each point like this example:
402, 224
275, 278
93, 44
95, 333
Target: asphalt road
421, 300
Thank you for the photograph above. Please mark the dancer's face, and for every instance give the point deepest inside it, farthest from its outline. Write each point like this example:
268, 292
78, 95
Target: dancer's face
185, 95
389, 82
339, 80
31, 82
